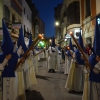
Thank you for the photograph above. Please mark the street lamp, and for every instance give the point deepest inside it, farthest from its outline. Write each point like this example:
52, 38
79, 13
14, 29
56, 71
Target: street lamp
50, 40
57, 23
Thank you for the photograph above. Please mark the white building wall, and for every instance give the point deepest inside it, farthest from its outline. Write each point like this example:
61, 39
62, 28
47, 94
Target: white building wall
28, 13
26, 19
97, 6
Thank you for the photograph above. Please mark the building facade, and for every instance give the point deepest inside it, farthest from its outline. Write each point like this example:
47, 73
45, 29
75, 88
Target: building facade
90, 9
12, 14
26, 21
38, 26
1, 12
57, 16
70, 20
41, 26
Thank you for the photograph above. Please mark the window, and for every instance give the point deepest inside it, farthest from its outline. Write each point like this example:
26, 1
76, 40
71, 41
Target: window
13, 18
88, 11
24, 10
6, 12
73, 13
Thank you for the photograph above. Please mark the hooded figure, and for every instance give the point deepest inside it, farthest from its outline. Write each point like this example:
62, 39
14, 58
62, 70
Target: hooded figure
70, 78
68, 57
94, 77
20, 86
79, 71
59, 55
29, 72
76, 77
8, 73
21, 43
7, 48
52, 57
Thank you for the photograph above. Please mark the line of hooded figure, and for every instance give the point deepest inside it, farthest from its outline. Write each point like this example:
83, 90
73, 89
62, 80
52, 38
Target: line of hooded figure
80, 76
15, 82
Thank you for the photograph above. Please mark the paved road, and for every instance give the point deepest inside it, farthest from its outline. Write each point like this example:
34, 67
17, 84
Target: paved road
51, 85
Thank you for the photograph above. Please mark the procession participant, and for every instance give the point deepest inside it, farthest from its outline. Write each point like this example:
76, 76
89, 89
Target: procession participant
36, 59
77, 76
68, 57
56, 57
52, 57
93, 92
80, 65
59, 58
32, 77
8, 73
19, 72
69, 81
63, 54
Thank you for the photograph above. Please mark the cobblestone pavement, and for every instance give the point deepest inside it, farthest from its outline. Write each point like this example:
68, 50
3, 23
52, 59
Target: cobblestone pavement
51, 86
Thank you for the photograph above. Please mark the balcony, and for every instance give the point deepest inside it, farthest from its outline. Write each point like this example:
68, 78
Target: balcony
8, 23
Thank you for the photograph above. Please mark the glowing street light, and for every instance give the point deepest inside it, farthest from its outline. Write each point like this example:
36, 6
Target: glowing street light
56, 23
50, 40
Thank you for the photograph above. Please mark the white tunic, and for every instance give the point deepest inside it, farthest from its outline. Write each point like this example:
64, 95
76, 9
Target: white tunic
35, 61
59, 61
51, 58
67, 62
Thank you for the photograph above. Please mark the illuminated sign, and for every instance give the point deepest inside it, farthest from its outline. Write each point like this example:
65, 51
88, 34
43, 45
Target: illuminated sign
76, 33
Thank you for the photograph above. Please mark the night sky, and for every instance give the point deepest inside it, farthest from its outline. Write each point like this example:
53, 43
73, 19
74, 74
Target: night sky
46, 13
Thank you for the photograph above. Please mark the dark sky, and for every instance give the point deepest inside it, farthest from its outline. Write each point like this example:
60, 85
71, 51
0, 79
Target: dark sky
46, 12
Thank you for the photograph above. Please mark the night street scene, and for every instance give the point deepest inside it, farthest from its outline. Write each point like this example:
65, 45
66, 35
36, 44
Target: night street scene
49, 49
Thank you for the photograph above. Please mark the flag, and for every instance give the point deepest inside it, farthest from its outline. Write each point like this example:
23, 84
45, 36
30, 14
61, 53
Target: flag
96, 44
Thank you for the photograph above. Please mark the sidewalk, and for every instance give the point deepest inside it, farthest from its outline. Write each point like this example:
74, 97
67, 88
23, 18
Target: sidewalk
51, 86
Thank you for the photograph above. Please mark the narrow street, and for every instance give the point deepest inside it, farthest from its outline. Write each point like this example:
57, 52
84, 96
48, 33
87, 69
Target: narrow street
51, 86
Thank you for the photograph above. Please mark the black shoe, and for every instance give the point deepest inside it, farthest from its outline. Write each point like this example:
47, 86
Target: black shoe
53, 71
49, 70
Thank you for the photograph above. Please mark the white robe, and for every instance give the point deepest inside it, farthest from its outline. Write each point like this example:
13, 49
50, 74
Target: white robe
8, 84
91, 89
78, 78
59, 61
51, 58
29, 73
67, 62
19, 88
35, 61
70, 79
75, 79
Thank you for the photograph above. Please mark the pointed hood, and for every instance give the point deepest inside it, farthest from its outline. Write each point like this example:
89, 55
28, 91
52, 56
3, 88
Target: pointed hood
80, 41
21, 41
96, 44
70, 45
53, 42
7, 44
30, 40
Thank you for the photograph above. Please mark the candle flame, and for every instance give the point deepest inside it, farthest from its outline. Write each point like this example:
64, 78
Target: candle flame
40, 36
71, 33
68, 48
